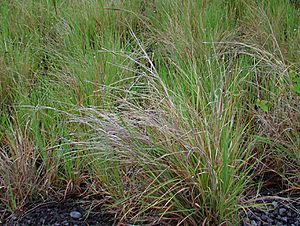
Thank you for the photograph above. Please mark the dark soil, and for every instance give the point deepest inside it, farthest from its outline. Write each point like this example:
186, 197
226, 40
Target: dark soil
277, 212
68, 213
274, 208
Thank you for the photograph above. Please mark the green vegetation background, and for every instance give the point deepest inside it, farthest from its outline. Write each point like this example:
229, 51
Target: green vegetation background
172, 110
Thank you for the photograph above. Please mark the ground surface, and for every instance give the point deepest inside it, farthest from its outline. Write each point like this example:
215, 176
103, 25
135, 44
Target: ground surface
68, 213
276, 210
275, 206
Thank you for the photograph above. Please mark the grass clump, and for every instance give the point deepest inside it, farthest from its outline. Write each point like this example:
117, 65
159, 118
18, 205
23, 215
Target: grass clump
175, 110
188, 165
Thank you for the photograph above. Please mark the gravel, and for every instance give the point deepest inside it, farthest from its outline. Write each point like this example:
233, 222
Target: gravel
280, 213
273, 210
68, 213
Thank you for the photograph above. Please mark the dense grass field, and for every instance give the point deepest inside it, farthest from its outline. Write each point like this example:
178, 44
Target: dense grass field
169, 110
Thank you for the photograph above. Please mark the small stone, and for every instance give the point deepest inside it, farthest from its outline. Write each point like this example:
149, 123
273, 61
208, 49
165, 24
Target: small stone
75, 215
282, 211
65, 223
284, 219
264, 217
274, 203
253, 223
14, 218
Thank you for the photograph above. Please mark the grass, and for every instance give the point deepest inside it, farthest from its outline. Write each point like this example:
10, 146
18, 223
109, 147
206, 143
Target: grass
173, 110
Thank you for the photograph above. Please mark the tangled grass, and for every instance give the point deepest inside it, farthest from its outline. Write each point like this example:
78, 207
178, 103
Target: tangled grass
174, 111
